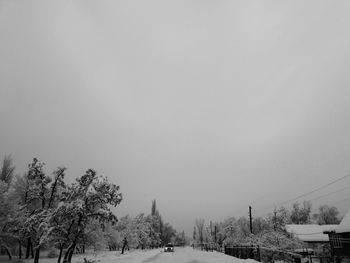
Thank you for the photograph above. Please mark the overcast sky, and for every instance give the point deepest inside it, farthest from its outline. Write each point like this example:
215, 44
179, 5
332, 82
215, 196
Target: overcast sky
205, 106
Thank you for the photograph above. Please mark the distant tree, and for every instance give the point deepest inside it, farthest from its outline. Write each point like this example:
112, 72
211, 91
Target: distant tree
260, 224
93, 236
301, 215
194, 235
142, 229
112, 237
7, 171
169, 233
279, 218
19, 196
154, 208
180, 239
6, 220
155, 223
183, 237
127, 232
234, 232
328, 215
243, 226
200, 227
157, 226
226, 231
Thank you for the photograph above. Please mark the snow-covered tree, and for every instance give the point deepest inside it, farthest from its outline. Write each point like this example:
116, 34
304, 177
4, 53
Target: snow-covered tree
127, 232
275, 240
142, 229
301, 215
6, 220
9, 234
200, 229
180, 239
7, 171
260, 224
157, 226
89, 198
194, 235
36, 208
279, 218
112, 237
328, 215
169, 233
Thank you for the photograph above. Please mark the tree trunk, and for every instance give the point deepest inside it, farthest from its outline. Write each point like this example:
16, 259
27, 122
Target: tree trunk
125, 243
69, 253
37, 255
19, 249
8, 252
28, 248
65, 259
60, 254
31, 249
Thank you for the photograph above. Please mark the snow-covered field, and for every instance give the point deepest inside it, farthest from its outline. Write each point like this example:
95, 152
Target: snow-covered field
181, 255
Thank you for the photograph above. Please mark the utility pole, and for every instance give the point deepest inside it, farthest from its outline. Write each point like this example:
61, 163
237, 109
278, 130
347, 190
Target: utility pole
250, 219
215, 233
274, 219
211, 229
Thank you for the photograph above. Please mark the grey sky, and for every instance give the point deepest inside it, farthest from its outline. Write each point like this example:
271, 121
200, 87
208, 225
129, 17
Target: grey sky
206, 106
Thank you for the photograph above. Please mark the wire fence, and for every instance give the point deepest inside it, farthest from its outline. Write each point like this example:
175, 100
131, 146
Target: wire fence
261, 254
267, 255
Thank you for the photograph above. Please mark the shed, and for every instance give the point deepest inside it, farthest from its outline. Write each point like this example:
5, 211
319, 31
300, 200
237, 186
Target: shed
340, 238
311, 233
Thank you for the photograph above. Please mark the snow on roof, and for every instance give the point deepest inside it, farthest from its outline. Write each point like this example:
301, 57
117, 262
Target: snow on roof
344, 225
311, 233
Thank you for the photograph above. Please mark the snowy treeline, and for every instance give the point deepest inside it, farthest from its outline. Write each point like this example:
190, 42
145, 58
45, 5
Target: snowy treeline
41, 212
236, 232
142, 232
269, 231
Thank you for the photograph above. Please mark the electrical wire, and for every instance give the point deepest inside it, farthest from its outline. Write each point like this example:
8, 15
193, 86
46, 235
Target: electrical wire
315, 190
340, 190
311, 192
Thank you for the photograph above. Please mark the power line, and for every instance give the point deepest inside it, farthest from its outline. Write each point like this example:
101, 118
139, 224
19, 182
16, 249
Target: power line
311, 192
334, 192
315, 190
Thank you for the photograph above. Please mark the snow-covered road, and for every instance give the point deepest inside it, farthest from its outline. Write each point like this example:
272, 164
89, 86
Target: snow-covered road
181, 255
189, 255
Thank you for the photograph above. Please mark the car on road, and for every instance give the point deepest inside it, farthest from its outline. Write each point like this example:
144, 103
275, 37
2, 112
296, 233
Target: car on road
169, 248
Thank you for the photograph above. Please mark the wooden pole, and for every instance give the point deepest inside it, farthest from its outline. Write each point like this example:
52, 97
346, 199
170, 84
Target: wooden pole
250, 219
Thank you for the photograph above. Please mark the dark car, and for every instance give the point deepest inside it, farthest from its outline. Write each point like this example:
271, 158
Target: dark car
169, 248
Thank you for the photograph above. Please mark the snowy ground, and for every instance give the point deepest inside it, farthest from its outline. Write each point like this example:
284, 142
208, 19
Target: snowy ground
181, 255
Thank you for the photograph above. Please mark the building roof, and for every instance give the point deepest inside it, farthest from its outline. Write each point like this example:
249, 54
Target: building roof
311, 233
344, 225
